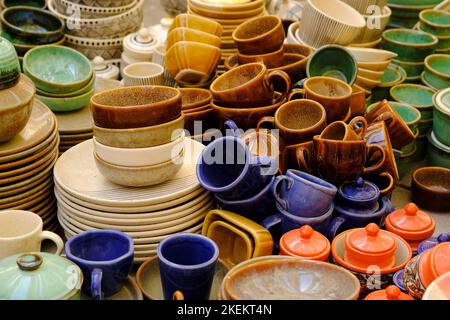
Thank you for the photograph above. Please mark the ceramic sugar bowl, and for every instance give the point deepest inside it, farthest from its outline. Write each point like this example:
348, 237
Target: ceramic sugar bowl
140, 45
411, 224
39, 276
105, 70
306, 243
360, 196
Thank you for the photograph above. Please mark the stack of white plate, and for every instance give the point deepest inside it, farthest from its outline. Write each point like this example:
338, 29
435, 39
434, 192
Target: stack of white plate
26, 164
86, 200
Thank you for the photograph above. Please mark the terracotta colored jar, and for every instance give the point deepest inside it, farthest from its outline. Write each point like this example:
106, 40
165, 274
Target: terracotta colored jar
390, 293
306, 243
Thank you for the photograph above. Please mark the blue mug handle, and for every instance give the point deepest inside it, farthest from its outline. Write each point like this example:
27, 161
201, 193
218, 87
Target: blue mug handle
269, 163
96, 284
271, 221
334, 226
231, 125
283, 203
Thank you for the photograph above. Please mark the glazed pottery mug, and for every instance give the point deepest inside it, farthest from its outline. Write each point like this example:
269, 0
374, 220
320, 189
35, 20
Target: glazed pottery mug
341, 131
333, 94
271, 60
298, 121
249, 85
105, 257
187, 263
227, 168
301, 156
21, 231
143, 74
303, 194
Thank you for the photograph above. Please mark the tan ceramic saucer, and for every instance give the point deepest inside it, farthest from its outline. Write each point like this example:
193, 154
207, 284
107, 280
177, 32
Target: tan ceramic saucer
31, 201
129, 291
24, 195
77, 173
25, 187
134, 219
71, 143
79, 121
71, 137
41, 124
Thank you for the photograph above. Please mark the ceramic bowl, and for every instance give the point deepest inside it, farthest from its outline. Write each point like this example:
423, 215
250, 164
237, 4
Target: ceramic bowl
371, 55
373, 44
93, 47
198, 23
370, 74
192, 98
413, 69
410, 45
102, 3
437, 71
438, 153
226, 14
140, 137
135, 107
140, 157
35, 26
441, 116
333, 61
68, 103
40, 4
233, 5
89, 12
48, 67
88, 87
409, 114
9, 66
192, 62
278, 273
374, 66
140, 176
186, 34
17, 103
375, 24
418, 96
436, 22
430, 188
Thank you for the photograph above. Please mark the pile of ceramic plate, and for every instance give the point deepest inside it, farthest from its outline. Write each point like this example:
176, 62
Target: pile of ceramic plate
86, 200
26, 163
230, 14
98, 27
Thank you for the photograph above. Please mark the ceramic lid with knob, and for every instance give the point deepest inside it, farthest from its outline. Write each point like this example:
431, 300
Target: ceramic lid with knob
9, 64
390, 293
305, 242
39, 276
370, 246
360, 192
140, 45
411, 223
104, 69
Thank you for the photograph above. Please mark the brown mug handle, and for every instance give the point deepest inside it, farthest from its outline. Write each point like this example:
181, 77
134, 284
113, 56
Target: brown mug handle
372, 148
302, 155
263, 120
178, 295
387, 117
284, 78
391, 183
295, 92
360, 131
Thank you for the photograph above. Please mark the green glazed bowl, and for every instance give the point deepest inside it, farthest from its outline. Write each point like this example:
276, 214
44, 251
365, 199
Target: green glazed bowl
413, 69
67, 104
425, 125
444, 42
416, 95
402, 22
9, 65
437, 71
438, 153
21, 46
88, 87
441, 116
392, 76
40, 4
436, 22
333, 61
57, 69
410, 45
414, 80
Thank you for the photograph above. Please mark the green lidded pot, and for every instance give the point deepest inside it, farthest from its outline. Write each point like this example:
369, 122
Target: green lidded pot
9, 65
39, 276
441, 116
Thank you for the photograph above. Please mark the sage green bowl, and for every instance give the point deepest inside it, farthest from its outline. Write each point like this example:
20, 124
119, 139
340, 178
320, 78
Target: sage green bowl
392, 76
416, 95
410, 45
437, 71
438, 153
441, 116
444, 42
57, 69
436, 22
414, 80
67, 104
88, 87
413, 69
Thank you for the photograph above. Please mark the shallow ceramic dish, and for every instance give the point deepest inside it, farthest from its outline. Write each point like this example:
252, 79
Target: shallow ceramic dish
375, 66
431, 188
372, 44
370, 74
236, 5
67, 104
47, 66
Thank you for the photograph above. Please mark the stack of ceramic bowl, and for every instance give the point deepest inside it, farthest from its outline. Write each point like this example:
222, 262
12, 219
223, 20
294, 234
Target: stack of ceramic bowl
28, 27
230, 14
98, 28
393, 75
405, 13
439, 137
104, 69
193, 50
437, 22
40, 4
64, 78
437, 71
86, 200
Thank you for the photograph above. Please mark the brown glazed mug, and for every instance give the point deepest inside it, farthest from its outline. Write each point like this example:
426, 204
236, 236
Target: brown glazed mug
399, 132
333, 94
271, 59
301, 156
341, 131
249, 85
298, 121
358, 102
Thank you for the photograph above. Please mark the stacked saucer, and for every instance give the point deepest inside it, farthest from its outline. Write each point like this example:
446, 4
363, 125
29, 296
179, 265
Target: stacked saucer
230, 14
26, 163
86, 200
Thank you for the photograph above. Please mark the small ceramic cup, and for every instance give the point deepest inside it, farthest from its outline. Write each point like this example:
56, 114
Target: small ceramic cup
249, 85
143, 74
21, 231
303, 194
187, 264
271, 59
340, 131
105, 257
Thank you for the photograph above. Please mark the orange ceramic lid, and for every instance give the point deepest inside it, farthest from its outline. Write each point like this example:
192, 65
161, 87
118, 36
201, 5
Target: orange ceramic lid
305, 242
370, 240
440, 259
410, 220
391, 293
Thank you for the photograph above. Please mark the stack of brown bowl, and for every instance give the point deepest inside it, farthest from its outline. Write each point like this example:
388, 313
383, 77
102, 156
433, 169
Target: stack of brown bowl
193, 50
230, 14
138, 134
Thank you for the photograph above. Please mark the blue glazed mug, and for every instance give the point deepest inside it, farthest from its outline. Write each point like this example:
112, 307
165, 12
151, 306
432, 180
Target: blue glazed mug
187, 264
227, 168
302, 194
105, 257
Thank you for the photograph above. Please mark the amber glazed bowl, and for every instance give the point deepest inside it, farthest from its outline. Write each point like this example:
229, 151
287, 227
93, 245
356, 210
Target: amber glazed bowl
430, 188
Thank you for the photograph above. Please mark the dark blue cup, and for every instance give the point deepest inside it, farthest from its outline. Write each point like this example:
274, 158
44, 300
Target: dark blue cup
227, 168
187, 264
303, 194
105, 257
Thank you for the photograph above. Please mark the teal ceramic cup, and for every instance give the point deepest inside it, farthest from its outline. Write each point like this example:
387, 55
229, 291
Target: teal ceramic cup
333, 61
441, 116
438, 154
409, 44
436, 22
437, 71
413, 69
